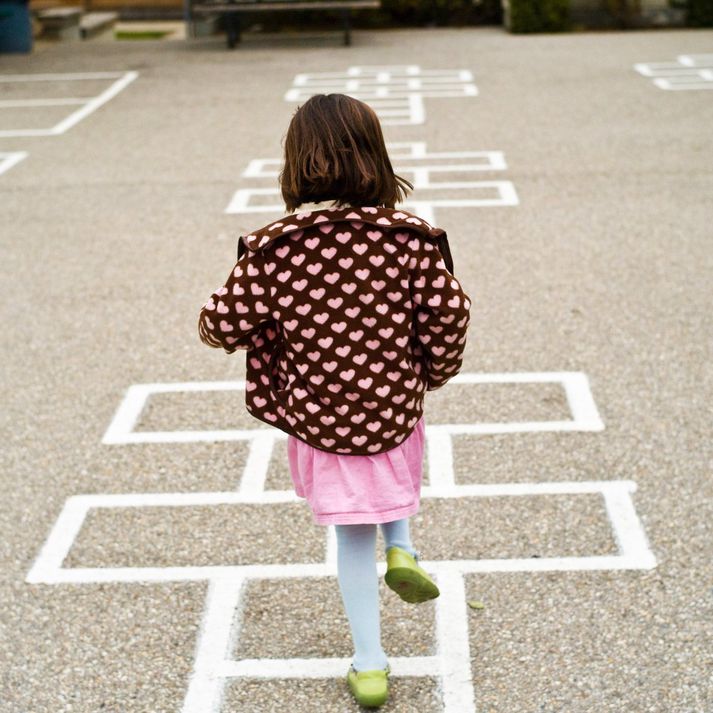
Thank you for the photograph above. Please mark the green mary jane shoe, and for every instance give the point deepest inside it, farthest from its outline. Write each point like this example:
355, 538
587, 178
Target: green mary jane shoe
369, 688
407, 579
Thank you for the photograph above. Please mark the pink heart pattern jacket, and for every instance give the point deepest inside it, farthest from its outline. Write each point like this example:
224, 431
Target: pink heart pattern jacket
348, 315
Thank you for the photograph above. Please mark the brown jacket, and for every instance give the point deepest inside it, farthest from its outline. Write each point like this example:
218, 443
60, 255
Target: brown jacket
348, 315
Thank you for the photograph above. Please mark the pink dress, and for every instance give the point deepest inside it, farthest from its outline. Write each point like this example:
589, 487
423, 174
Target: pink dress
350, 489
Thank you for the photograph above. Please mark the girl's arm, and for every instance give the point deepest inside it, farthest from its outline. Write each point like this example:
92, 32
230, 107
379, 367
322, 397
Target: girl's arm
234, 313
442, 314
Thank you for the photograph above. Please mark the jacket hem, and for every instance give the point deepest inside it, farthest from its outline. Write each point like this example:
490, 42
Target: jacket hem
286, 429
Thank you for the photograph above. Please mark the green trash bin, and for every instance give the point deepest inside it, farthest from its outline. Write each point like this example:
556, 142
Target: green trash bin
15, 26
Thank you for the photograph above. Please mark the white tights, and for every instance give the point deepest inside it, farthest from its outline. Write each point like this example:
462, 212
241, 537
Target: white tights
359, 585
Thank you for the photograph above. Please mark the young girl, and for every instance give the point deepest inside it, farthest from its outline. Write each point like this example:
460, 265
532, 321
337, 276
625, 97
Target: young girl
349, 313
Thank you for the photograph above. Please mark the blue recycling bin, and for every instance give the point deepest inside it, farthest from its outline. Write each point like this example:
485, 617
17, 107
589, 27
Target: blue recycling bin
15, 26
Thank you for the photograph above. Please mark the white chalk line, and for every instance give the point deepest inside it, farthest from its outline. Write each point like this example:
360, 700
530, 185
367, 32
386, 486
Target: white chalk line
9, 159
396, 93
89, 105
630, 538
219, 631
689, 72
585, 416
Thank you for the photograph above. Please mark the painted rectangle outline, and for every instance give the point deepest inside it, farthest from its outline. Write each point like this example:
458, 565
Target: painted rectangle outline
629, 535
240, 201
260, 167
585, 416
123, 79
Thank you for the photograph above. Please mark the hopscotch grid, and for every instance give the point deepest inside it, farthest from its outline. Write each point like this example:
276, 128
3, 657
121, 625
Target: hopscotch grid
48, 567
87, 105
398, 92
483, 194
222, 618
585, 416
395, 92
688, 72
223, 613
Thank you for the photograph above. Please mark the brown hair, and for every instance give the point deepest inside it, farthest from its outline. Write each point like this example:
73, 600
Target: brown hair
334, 149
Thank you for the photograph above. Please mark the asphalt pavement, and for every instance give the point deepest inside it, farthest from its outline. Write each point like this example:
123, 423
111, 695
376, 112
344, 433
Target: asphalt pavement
154, 557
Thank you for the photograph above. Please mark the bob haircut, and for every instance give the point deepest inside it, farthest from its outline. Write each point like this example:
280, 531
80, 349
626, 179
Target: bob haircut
334, 150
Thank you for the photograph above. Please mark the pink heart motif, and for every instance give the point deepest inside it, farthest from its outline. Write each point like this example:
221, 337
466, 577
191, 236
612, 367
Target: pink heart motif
399, 215
312, 243
326, 228
343, 237
370, 210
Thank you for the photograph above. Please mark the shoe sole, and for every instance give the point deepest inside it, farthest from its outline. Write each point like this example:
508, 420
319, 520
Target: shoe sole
369, 702
411, 585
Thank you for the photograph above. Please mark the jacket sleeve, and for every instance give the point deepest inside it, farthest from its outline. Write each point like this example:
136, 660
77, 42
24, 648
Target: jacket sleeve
235, 312
441, 314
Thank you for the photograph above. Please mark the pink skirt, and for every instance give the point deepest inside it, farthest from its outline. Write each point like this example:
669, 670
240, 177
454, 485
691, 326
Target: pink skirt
347, 490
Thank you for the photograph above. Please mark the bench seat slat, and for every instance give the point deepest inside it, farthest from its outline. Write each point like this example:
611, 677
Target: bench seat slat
285, 5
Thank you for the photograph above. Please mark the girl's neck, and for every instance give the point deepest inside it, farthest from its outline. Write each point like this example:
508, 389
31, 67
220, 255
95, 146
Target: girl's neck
321, 205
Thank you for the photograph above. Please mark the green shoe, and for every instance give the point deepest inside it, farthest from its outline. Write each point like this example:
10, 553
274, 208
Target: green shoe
407, 579
369, 688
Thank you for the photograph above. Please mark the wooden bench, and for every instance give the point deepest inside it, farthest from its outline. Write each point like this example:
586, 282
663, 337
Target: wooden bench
232, 10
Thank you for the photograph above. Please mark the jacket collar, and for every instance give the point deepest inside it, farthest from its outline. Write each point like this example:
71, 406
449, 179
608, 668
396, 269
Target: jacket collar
388, 218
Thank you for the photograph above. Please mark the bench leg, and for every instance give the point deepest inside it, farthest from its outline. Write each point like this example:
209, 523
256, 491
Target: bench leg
232, 29
347, 29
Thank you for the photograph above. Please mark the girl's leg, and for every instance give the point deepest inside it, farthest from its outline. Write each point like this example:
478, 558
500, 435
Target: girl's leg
359, 585
396, 534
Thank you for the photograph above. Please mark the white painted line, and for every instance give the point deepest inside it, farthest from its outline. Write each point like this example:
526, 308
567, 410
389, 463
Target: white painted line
407, 83
696, 60
323, 668
634, 551
628, 531
214, 643
689, 72
10, 159
330, 554
452, 631
492, 161
88, 105
93, 104
16, 103
506, 195
585, 416
258, 463
59, 77
439, 447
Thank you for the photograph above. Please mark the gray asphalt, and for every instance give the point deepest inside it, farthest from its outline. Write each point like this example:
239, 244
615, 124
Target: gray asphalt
113, 236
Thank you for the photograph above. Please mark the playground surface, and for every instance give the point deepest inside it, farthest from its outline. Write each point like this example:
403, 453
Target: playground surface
154, 555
